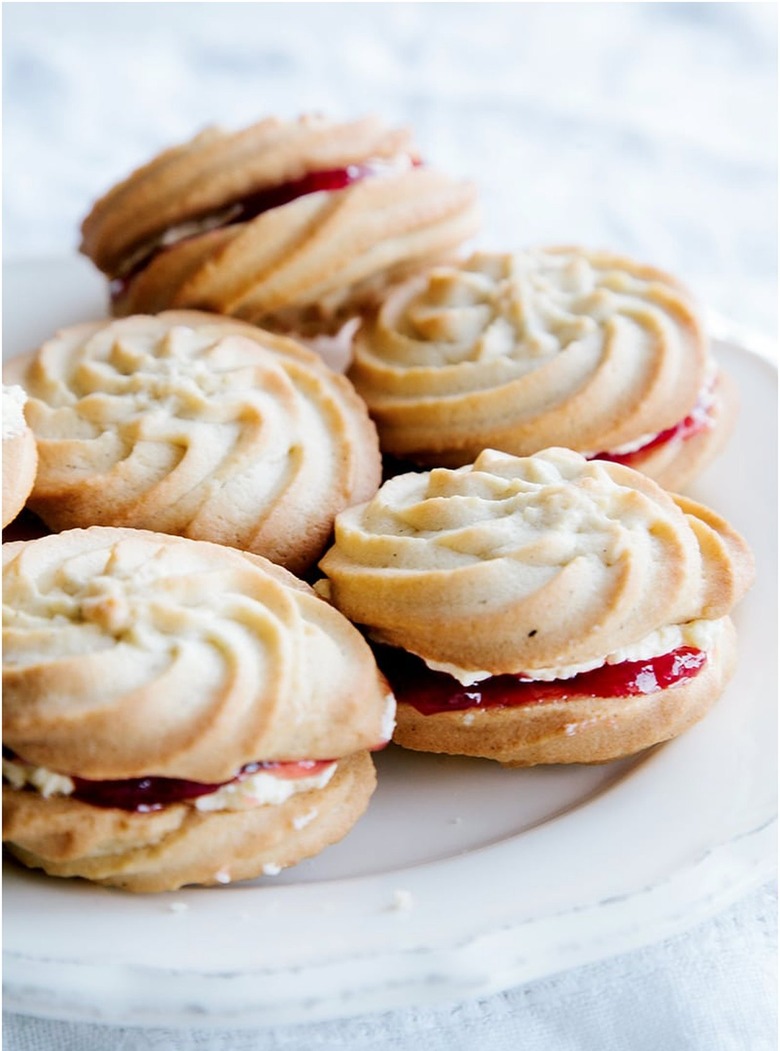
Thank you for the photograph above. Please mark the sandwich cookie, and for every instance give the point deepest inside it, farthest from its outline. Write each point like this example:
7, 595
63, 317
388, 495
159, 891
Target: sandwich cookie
556, 347
292, 225
545, 609
177, 712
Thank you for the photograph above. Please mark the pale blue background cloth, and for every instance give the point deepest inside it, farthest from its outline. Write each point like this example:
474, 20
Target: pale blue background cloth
645, 128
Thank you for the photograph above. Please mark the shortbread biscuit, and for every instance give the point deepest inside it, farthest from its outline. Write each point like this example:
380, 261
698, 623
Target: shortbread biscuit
293, 225
177, 711
561, 347
20, 457
551, 601
199, 426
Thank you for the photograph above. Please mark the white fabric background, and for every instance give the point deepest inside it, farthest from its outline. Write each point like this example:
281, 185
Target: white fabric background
648, 128
711, 989
645, 128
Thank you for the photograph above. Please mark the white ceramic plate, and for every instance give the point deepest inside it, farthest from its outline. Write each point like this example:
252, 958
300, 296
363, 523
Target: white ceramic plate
463, 878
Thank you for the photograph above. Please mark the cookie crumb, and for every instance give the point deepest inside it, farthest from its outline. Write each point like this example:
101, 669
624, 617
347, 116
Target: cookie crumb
402, 901
178, 906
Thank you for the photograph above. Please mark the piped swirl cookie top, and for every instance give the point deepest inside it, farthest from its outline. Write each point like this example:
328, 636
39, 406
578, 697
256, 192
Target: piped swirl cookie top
520, 352
128, 653
198, 426
513, 564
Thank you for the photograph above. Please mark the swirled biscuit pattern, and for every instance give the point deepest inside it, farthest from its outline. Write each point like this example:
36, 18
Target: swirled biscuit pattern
520, 352
197, 426
310, 265
189, 229
128, 653
217, 167
515, 564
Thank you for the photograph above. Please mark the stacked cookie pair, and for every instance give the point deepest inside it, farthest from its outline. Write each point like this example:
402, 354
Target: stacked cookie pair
180, 706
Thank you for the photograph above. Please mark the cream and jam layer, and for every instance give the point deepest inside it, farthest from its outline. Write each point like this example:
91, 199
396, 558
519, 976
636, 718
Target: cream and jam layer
256, 784
248, 208
431, 690
699, 419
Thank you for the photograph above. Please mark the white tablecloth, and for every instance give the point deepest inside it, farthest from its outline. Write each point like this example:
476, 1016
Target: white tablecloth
646, 128
712, 989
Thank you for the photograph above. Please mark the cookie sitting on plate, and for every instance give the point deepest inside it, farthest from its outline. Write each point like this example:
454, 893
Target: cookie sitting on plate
177, 712
562, 347
544, 609
290, 224
196, 425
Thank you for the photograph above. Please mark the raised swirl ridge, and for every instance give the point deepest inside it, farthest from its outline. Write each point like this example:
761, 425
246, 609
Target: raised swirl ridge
197, 426
309, 265
512, 564
218, 167
523, 351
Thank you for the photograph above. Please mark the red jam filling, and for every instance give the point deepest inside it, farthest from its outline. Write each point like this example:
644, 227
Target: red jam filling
698, 420
430, 692
695, 422
250, 207
144, 794
314, 182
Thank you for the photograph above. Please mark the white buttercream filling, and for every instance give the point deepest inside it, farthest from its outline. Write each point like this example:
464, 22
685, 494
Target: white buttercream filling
402, 162
262, 789
14, 423
258, 789
388, 718
699, 634
630, 447
23, 775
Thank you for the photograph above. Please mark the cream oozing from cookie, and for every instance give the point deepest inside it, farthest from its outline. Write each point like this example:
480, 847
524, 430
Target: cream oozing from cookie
19, 774
697, 634
261, 789
246, 790
535, 349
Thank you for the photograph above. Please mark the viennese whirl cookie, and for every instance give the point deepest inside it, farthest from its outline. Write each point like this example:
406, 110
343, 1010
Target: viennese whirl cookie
293, 225
196, 425
556, 347
544, 609
177, 712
